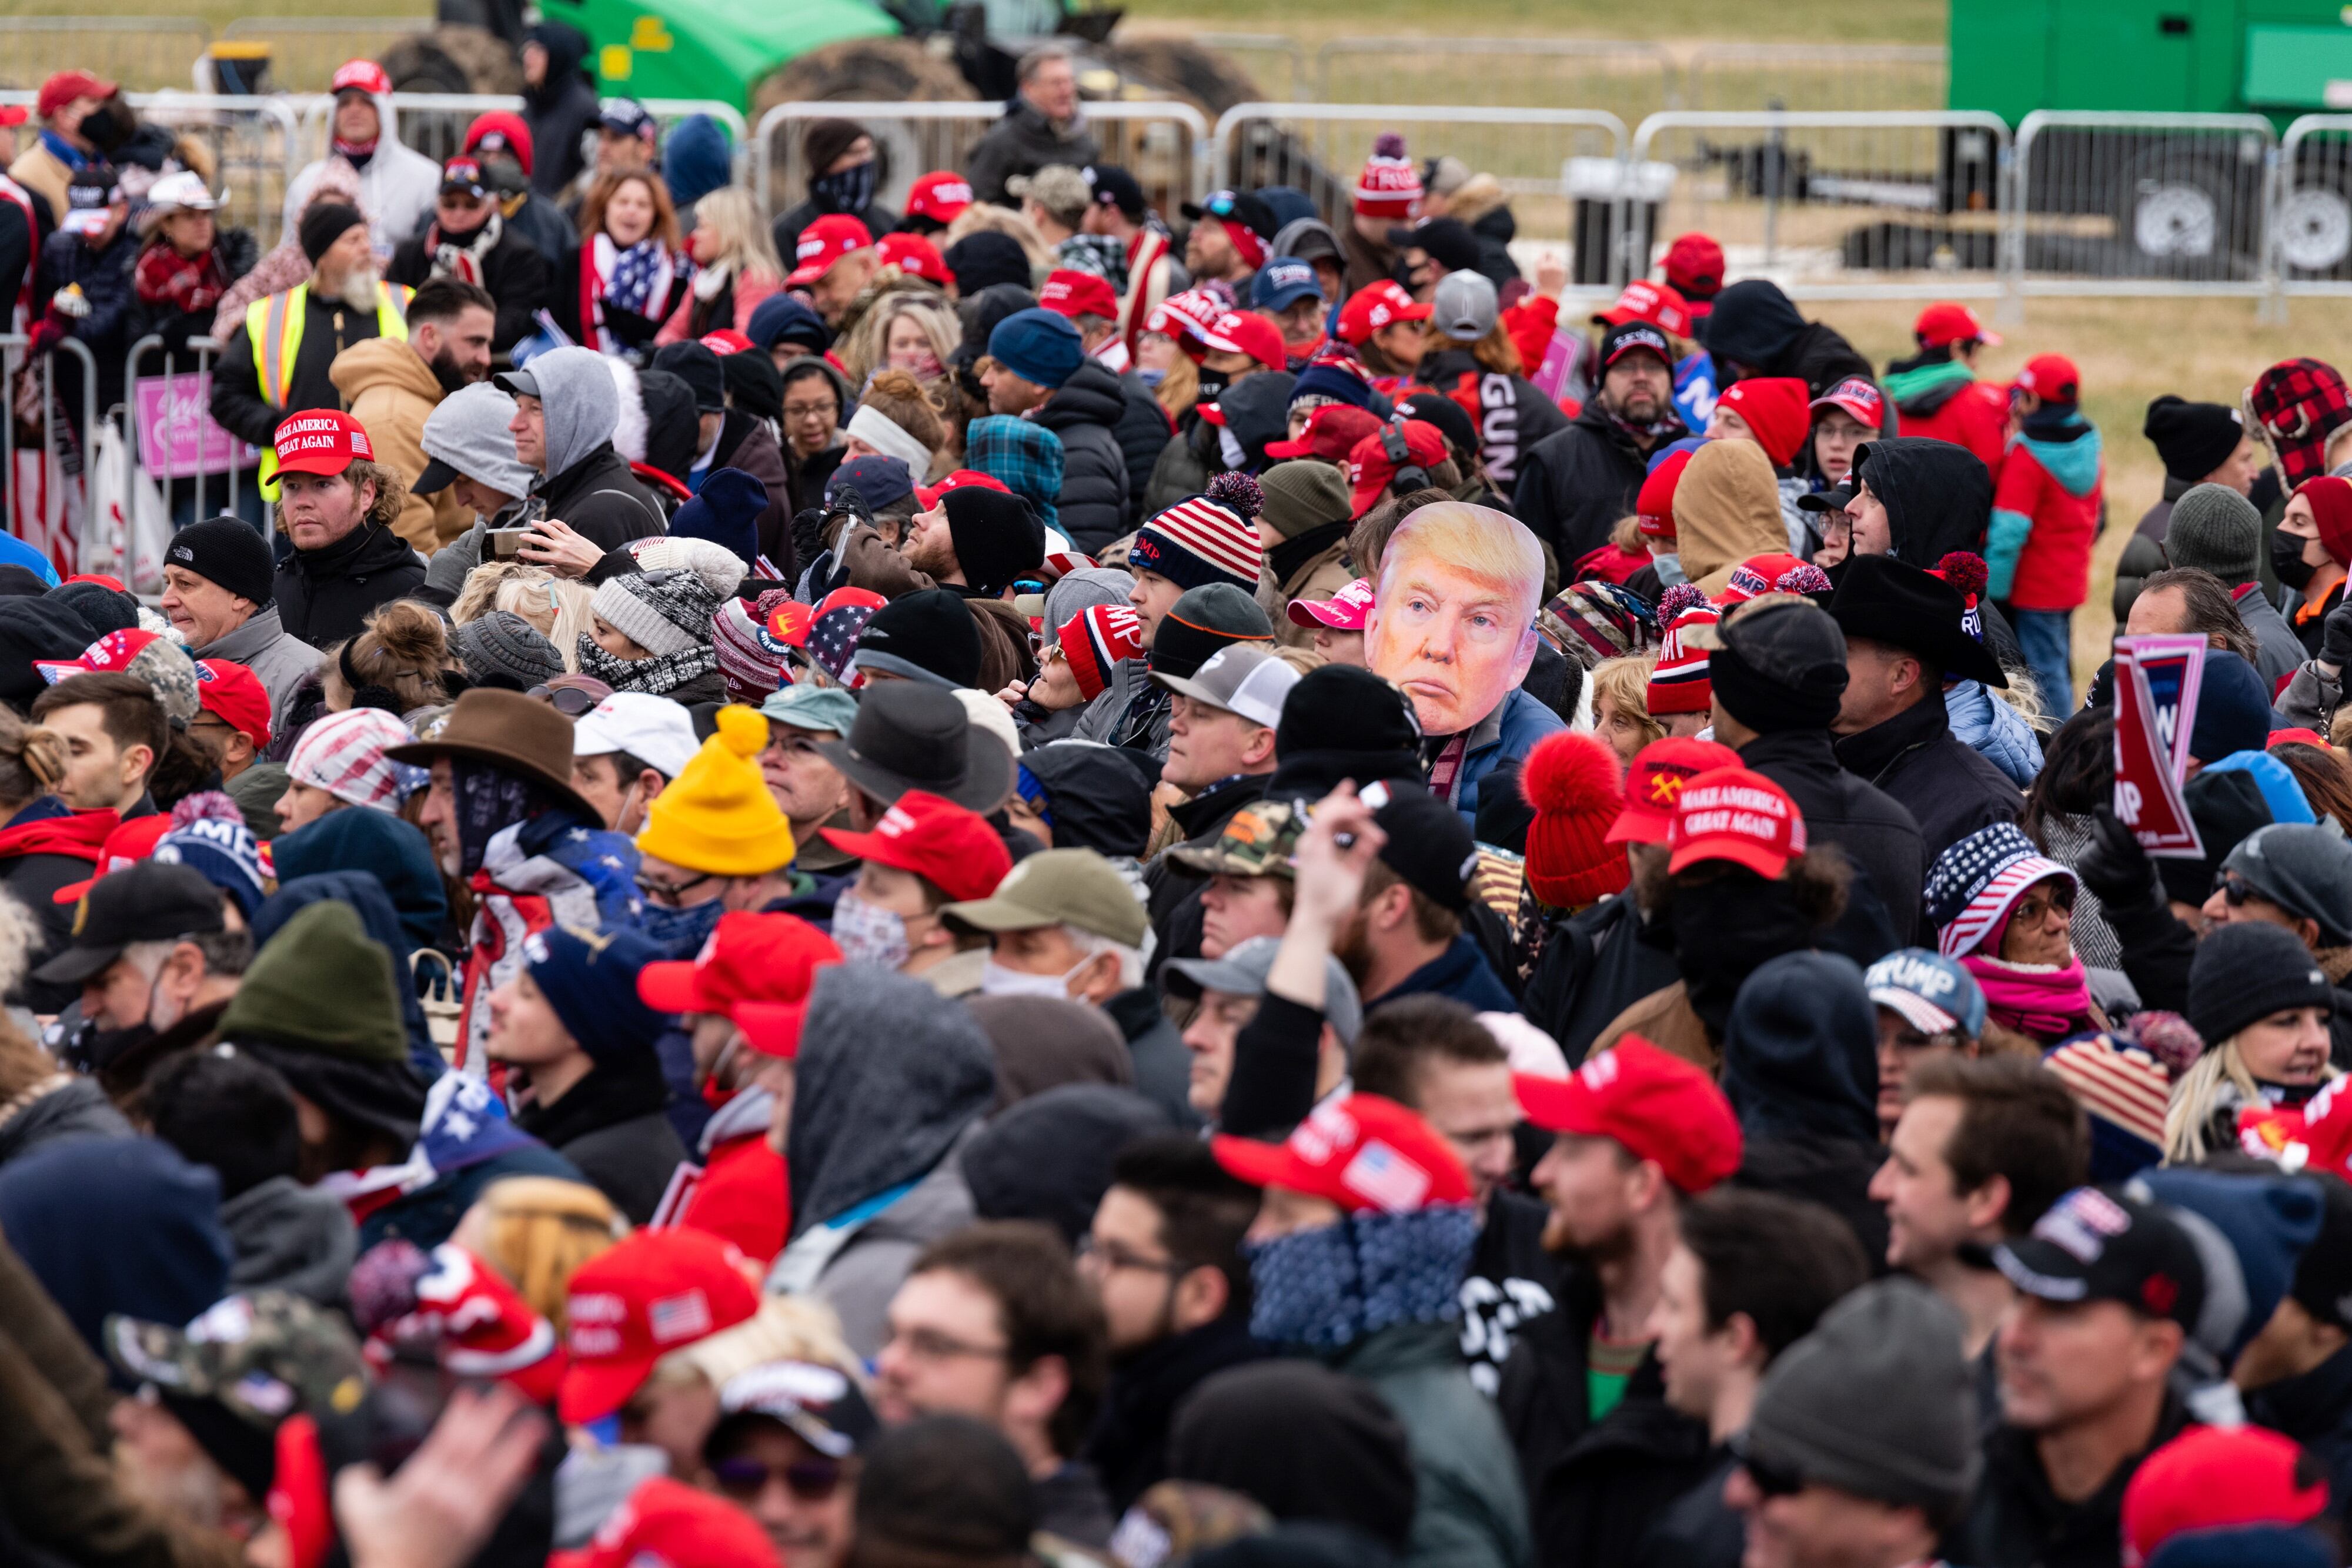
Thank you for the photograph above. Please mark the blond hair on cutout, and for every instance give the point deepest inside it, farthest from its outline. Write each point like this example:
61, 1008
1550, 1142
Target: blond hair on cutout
1477, 540
541, 1230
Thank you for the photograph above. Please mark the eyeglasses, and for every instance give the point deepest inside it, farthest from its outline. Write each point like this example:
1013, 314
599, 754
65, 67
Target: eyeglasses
809, 1480
667, 893
930, 1345
793, 745
811, 410
569, 701
1110, 1257
1771, 1480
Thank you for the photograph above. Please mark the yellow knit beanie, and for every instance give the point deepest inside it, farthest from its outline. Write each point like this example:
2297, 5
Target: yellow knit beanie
718, 817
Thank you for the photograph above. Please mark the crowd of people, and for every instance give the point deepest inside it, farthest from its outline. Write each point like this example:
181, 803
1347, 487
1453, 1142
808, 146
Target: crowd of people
1022, 892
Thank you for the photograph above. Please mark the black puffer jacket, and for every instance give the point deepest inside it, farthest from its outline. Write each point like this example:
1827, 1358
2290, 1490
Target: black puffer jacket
1877, 834
1574, 486
1144, 431
1085, 411
324, 595
1754, 325
602, 500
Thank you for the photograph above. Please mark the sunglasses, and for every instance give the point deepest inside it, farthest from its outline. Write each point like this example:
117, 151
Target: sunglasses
2235, 891
569, 701
809, 1480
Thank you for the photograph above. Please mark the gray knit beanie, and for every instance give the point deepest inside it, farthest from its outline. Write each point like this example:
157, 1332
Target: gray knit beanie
2215, 530
1304, 494
662, 612
502, 645
1878, 1401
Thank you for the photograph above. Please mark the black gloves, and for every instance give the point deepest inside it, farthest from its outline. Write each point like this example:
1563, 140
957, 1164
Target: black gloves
2114, 867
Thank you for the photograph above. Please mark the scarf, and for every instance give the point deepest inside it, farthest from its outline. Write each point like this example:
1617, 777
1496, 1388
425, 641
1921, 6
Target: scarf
489, 801
169, 281
711, 281
657, 676
637, 280
64, 152
2048, 1003
462, 256
1291, 554
356, 153
1330, 1286
847, 192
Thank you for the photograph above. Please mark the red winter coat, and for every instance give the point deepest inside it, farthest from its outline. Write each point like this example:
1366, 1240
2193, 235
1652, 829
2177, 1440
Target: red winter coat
743, 1198
2045, 516
1976, 418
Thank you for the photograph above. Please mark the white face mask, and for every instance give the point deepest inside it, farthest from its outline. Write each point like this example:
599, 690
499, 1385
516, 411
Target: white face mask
868, 933
996, 981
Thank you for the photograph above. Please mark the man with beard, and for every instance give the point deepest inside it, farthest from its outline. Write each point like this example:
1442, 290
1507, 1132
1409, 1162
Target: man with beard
1636, 1134
150, 946
279, 363
1574, 486
470, 241
391, 387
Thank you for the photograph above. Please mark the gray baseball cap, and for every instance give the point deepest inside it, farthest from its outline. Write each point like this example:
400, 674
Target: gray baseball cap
1464, 306
1245, 678
1241, 972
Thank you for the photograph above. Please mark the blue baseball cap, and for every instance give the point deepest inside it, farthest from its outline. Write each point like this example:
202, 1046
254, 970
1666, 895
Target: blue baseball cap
1933, 993
1282, 282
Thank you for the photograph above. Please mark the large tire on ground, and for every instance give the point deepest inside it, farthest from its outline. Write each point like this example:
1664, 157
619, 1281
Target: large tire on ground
886, 70
1183, 70
453, 59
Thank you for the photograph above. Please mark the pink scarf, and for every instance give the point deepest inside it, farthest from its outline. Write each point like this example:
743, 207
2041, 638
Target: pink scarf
2047, 1003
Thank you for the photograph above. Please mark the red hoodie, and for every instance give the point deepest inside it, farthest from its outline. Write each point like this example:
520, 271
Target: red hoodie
77, 833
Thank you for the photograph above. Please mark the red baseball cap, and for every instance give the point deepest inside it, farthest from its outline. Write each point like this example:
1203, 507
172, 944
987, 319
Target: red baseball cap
1659, 304
754, 968
928, 494
2053, 378
1331, 432
1345, 611
360, 75
654, 1292
1074, 294
669, 1524
724, 341
234, 694
1184, 317
940, 196
2219, 1478
1945, 323
953, 848
1376, 305
1363, 1153
1370, 469
1694, 265
1654, 1103
126, 846
915, 256
824, 242
1859, 398
1247, 332
321, 441
1738, 815
1654, 782
65, 86
1655, 505
112, 652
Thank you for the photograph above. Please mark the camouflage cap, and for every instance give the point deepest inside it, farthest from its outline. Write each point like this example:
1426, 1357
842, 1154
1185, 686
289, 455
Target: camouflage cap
264, 1356
1258, 841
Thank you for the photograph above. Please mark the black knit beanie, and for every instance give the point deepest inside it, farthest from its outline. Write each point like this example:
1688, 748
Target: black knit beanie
325, 224
2248, 970
1201, 622
229, 551
998, 535
1768, 706
2192, 438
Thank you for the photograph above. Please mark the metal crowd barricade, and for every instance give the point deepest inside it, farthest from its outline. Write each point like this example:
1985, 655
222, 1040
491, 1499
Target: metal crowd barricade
1809, 78
54, 518
142, 53
214, 461
1319, 147
1855, 205
2311, 209
254, 143
1163, 144
2129, 204
304, 51
433, 123
1627, 79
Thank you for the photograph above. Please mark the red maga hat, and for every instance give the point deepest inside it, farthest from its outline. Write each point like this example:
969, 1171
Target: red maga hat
756, 969
1363, 1153
1655, 1104
1653, 784
948, 846
824, 242
651, 1293
1738, 815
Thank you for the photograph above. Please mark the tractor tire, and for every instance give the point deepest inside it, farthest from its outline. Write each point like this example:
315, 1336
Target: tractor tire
1181, 70
453, 59
886, 70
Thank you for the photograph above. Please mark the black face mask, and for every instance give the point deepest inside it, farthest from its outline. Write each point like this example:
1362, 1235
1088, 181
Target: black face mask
1724, 930
2286, 559
847, 192
1212, 385
102, 1048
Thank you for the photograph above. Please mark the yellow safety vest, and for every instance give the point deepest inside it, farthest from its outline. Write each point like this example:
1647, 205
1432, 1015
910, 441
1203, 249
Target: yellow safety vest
275, 326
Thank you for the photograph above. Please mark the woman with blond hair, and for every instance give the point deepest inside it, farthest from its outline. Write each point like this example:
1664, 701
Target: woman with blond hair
402, 656
628, 274
2262, 1004
1621, 704
537, 1231
909, 330
897, 418
556, 607
735, 267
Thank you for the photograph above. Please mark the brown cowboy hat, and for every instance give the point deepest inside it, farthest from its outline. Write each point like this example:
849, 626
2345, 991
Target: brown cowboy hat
522, 734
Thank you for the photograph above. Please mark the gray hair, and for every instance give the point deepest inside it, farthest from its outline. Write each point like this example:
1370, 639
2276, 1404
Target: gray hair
1031, 62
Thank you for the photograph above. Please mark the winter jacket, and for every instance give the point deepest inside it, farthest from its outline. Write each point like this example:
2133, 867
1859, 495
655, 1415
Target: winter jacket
278, 660
1950, 790
1576, 485
1714, 535
2045, 516
1459, 973
1511, 1281
2143, 555
858, 1281
1022, 142
2315, 1410
610, 1125
399, 186
541, 222
1505, 735
1879, 836
1511, 413
324, 595
1164, 1065
428, 1215
1319, 573
1129, 1445
1596, 963
603, 500
1144, 430
47, 845
1938, 398
1698, 1528
1182, 467
561, 110
1994, 731
20, 252
513, 270
1755, 327
2278, 651
1469, 1509
1600, 1498
1086, 411
1173, 889
241, 407
736, 295
1484, 206
66, 1106
744, 1193
1938, 498
2018, 1521
1105, 717
43, 173
785, 231
388, 388
290, 1237
750, 443
105, 280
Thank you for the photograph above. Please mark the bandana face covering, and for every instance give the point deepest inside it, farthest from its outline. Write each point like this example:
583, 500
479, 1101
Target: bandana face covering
489, 801
847, 192
868, 933
1332, 1285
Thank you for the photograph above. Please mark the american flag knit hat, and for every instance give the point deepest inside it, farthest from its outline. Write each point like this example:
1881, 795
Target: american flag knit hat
1973, 884
343, 754
1205, 539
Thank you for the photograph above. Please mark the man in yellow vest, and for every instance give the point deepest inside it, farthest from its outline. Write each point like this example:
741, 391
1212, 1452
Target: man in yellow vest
276, 364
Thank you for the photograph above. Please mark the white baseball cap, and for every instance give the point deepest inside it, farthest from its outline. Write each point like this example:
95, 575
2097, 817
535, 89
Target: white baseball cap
655, 730
185, 189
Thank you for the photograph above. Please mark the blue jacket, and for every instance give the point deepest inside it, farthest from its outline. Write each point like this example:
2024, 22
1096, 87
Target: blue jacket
1461, 973
1993, 730
1507, 734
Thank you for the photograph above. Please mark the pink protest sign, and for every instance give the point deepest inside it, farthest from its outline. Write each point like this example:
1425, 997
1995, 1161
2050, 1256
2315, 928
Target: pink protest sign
177, 437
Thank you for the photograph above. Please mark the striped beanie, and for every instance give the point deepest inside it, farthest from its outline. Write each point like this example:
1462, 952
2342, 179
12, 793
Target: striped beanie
1388, 186
1202, 539
343, 754
1679, 683
752, 659
1097, 638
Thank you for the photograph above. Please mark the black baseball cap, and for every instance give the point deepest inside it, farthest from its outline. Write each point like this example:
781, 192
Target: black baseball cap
1114, 187
1627, 336
1447, 241
1238, 207
818, 1403
1838, 497
2095, 1244
1428, 845
153, 901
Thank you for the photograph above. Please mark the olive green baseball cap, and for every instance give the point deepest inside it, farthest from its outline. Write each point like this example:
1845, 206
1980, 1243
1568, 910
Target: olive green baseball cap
1076, 888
